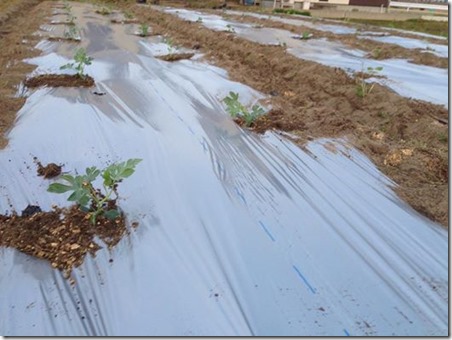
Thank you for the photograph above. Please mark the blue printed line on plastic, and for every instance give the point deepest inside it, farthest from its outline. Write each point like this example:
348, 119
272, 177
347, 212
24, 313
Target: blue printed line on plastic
304, 279
346, 332
266, 231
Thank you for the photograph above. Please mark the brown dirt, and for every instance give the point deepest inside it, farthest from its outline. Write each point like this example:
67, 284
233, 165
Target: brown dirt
11, 8
59, 80
14, 29
176, 56
63, 241
311, 100
375, 49
68, 23
51, 170
63, 39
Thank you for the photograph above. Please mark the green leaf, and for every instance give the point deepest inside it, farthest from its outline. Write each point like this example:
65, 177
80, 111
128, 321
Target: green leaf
58, 188
131, 163
112, 214
108, 182
68, 178
92, 173
84, 200
126, 173
74, 196
67, 66
80, 196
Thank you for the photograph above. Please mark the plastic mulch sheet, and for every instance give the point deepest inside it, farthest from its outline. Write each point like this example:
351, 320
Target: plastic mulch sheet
239, 233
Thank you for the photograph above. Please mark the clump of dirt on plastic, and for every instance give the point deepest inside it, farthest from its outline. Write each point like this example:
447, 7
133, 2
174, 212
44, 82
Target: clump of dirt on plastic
63, 39
62, 236
51, 170
59, 80
176, 56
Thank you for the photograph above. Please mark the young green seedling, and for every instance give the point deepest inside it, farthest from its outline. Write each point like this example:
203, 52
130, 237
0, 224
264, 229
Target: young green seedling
67, 7
237, 109
71, 20
306, 36
104, 10
128, 15
376, 53
363, 89
143, 30
230, 29
171, 47
72, 33
81, 60
91, 200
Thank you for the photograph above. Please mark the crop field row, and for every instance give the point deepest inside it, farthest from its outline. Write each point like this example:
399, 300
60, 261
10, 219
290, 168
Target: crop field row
170, 171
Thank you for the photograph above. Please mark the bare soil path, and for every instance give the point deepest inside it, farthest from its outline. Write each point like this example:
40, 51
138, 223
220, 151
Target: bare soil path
19, 21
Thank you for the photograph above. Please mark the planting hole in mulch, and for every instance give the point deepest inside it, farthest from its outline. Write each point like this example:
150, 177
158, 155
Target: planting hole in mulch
63, 39
274, 119
59, 80
69, 23
62, 236
175, 56
51, 170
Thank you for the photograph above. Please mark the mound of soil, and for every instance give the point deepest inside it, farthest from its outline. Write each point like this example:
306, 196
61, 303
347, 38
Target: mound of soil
176, 56
62, 236
63, 39
59, 80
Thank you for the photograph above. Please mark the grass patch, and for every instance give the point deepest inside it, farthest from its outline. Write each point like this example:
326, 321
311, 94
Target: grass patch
417, 25
291, 11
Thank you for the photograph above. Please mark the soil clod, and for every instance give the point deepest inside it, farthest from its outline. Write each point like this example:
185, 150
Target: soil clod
62, 236
59, 80
176, 56
30, 210
51, 170
63, 39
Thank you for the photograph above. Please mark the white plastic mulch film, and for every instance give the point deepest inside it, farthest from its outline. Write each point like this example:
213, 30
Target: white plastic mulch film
239, 233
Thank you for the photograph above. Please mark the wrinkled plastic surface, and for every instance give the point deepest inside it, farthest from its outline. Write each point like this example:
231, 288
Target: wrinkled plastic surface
239, 233
407, 79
